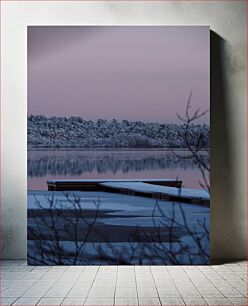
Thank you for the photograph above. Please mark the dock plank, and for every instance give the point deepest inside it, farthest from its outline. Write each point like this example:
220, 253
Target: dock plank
95, 184
197, 196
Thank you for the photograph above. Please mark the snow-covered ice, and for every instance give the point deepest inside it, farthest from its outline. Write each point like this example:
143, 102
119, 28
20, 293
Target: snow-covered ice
114, 238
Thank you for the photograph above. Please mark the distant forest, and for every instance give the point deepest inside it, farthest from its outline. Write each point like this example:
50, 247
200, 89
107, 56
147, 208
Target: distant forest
75, 132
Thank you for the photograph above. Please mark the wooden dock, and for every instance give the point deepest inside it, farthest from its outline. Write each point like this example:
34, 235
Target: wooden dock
163, 189
97, 185
187, 195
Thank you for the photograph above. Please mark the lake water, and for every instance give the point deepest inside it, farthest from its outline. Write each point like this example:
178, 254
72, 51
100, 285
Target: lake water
46, 165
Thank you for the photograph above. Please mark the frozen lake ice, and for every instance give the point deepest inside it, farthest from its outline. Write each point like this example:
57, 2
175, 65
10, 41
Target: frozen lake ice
105, 228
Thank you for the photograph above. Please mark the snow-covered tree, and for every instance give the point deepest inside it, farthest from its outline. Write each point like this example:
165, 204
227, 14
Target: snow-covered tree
76, 132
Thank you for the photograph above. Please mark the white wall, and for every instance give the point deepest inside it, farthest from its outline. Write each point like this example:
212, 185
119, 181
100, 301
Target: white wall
226, 18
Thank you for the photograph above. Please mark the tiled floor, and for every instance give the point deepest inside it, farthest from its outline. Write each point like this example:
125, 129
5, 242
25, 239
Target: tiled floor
123, 285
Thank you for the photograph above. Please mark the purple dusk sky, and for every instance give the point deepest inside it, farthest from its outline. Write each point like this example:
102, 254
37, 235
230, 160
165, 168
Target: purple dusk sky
125, 72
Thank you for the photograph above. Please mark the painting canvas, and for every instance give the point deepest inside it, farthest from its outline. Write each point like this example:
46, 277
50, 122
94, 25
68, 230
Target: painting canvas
118, 142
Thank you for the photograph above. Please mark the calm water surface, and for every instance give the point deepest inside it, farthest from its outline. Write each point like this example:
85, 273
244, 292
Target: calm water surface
45, 165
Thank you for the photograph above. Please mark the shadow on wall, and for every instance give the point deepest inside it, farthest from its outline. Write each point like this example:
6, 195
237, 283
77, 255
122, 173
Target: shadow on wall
222, 173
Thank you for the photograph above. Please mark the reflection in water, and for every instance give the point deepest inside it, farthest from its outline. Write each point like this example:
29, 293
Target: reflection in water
41, 163
60, 164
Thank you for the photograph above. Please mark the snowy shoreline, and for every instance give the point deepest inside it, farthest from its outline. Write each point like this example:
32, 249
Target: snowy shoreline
77, 132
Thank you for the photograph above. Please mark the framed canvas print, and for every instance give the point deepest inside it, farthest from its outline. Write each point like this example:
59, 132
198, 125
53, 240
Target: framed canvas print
118, 145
